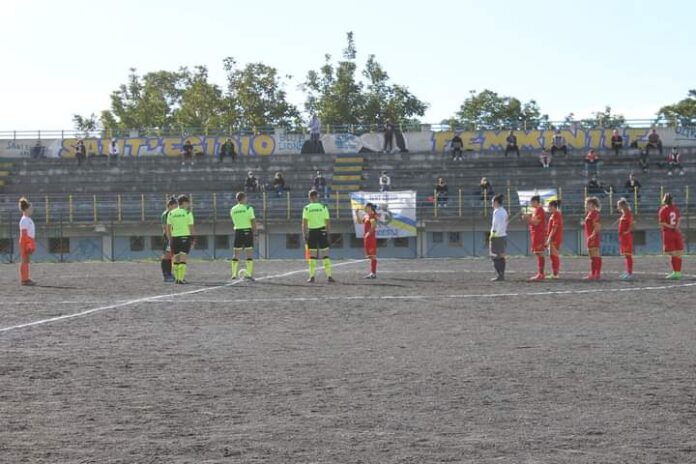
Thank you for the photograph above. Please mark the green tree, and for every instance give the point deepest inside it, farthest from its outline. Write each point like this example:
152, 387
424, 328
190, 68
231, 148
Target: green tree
603, 119
256, 92
202, 104
85, 124
486, 110
682, 112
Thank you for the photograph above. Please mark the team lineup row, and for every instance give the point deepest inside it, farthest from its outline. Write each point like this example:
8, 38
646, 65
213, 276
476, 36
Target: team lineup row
178, 229
548, 234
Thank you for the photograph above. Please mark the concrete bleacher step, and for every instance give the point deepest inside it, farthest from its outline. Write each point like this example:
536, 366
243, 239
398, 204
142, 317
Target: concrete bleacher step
348, 173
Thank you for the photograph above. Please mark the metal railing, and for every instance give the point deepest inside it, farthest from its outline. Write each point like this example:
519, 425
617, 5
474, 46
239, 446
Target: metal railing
459, 203
356, 129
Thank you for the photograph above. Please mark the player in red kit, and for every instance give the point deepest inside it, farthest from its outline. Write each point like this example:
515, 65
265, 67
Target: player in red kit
537, 234
554, 238
370, 238
672, 240
626, 237
592, 229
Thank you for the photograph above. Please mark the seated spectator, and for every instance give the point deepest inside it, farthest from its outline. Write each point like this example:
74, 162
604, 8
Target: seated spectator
595, 188
384, 182
320, 185
457, 147
674, 162
486, 189
278, 184
545, 158
632, 187
616, 142
187, 152
113, 151
654, 142
80, 152
227, 149
251, 184
558, 143
512, 144
441, 193
591, 162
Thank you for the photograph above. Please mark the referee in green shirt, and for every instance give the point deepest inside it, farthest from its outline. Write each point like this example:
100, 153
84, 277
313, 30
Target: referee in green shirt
180, 235
244, 222
315, 229
166, 248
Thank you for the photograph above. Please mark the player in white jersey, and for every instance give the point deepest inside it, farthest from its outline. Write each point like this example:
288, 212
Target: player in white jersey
27, 243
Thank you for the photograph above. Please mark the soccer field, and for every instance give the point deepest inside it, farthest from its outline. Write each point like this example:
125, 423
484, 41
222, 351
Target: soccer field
432, 362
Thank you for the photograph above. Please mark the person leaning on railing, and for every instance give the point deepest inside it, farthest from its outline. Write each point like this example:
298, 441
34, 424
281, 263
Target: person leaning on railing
486, 189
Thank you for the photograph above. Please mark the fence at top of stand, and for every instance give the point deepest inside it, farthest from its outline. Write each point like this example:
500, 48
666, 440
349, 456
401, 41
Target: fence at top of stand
214, 207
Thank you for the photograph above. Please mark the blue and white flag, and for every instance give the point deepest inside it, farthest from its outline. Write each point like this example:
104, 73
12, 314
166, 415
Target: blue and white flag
396, 212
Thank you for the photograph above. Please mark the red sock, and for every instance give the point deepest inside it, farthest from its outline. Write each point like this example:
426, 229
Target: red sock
593, 265
540, 264
629, 264
676, 263
373, 266
598, 270
555, 264
24, 272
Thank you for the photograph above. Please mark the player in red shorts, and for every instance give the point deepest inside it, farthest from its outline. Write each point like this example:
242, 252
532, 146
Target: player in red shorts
370, 238
592, 229
626, 237
554, 238
672, 240
27, 243
537, 234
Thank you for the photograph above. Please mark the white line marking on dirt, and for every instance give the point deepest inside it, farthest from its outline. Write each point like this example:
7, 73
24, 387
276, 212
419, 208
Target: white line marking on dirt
153, 298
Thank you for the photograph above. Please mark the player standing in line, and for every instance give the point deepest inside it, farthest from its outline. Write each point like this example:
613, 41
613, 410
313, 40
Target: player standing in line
180, 234
244, 221
537, 234
27, 243
315, 230
166, 262
498, 237
592, 230
672, 240
370, 238
626, 237
554, 238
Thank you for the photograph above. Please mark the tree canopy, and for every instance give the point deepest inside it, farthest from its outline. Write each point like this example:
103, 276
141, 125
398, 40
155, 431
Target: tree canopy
683, 112
488, 110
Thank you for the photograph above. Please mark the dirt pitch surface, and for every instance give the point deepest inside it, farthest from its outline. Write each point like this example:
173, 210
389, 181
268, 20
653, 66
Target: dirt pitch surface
430, 363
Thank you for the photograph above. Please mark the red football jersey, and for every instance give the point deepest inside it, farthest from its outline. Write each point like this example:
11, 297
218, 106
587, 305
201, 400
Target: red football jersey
540, 216
555, 222
669, 214
369, 223
625, 223
590, 220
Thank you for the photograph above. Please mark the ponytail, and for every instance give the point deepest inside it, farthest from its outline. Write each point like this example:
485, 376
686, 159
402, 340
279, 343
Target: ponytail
24, 204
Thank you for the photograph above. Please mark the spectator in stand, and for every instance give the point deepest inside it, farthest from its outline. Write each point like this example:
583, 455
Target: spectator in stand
80, 152
545, 158
279, 184
654, 142
320, 184
512, 144
632, 187
616, 142
384, 182
37, 150
113, 150
251, 184
227, 149
558, 143
457, 148
591, 162
674, 162
643, 161
441, 193
314, 129
187, 152
388, 137
595, 188
486, 189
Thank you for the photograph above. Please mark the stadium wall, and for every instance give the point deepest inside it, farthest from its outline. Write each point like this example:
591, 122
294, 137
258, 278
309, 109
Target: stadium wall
281, 143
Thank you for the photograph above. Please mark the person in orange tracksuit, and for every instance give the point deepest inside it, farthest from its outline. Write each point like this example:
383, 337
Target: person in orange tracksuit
27, 245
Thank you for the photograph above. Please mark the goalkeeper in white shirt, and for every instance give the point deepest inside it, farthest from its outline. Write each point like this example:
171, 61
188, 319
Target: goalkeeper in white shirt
498, 237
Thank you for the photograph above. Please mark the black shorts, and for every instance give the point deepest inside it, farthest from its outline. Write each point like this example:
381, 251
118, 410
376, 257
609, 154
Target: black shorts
243, 238
318, 239
181, 245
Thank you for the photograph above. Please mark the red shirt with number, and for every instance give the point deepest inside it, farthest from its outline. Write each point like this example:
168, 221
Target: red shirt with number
671, 238
626, 233
370, 234
591, 221
537, 232
554, 229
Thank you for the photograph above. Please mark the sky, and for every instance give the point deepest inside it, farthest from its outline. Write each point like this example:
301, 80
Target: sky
65, 57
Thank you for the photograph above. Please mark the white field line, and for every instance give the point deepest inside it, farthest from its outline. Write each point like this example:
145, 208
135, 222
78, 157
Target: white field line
151, 298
